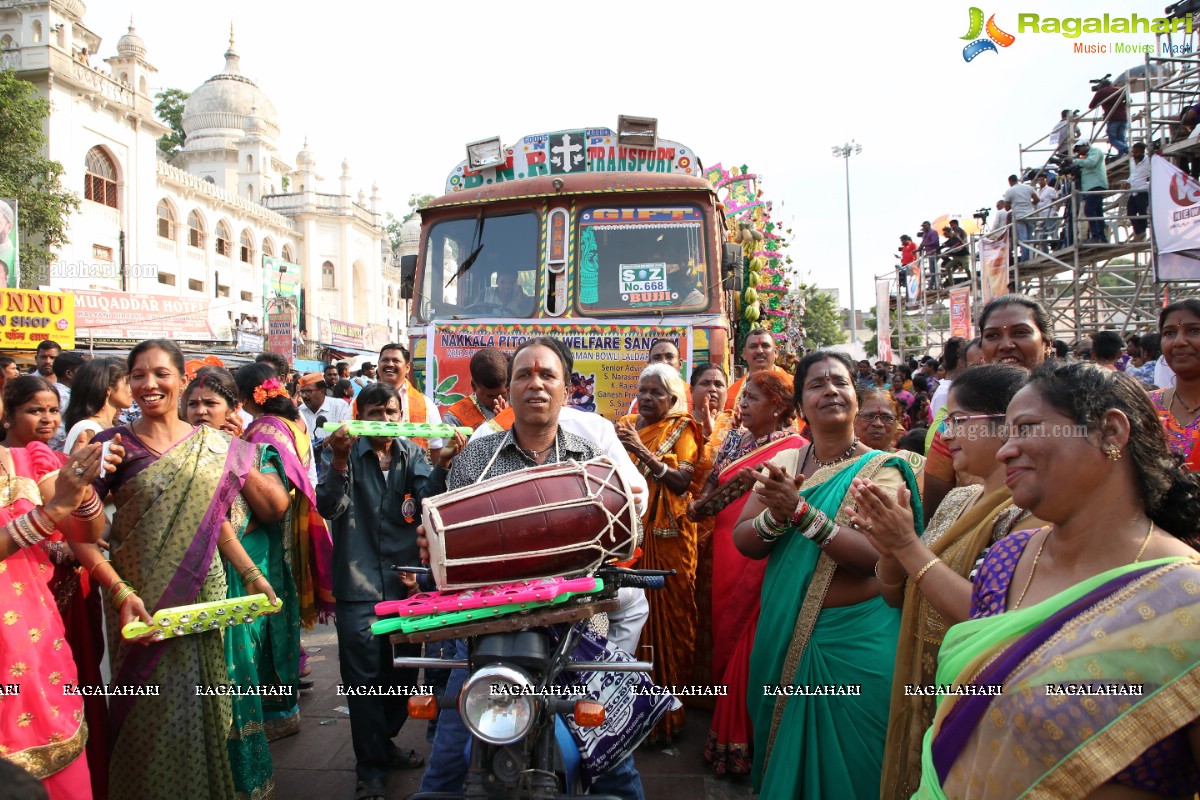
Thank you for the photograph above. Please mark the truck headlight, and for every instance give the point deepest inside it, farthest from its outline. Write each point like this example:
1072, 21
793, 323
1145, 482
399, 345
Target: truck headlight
497, 705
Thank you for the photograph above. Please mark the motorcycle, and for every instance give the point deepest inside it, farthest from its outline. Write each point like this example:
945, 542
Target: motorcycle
512, 702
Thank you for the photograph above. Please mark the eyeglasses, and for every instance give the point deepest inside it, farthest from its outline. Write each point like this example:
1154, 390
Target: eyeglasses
886, 419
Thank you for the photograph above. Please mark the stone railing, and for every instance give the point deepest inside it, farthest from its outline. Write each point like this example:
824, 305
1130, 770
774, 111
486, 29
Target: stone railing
200, 186
91, 78
318, 202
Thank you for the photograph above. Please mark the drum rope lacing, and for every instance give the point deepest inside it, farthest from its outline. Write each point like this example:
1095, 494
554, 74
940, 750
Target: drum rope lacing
495, 455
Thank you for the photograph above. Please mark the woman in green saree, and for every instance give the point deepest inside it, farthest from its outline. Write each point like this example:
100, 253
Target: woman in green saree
1078, 671
821, 667
173, 493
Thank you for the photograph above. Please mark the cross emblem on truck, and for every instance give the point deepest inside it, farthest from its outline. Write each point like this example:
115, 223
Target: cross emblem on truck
567, 155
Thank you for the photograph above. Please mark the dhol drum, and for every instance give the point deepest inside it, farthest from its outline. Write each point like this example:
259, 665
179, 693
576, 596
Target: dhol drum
555, 519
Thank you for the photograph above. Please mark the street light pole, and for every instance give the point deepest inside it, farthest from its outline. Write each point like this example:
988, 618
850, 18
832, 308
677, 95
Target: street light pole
844, 152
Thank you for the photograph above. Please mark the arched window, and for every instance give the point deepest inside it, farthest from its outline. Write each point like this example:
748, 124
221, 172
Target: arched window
6, 42
100, 180
196, 229
142, 84
327, 275
389, 297
287, 254
246, 251
37, 31
224, 240
166, 220
268, 247
249, 192
249, 163
125, 78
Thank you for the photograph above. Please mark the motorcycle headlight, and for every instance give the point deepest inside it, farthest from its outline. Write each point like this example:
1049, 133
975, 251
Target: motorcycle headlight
497, 705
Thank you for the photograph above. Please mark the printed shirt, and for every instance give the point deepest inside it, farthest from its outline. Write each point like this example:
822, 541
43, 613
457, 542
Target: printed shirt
469, 465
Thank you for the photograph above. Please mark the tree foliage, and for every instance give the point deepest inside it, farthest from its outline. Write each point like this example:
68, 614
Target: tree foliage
170, 110
43, 205
392, 225
823, 324
415, 202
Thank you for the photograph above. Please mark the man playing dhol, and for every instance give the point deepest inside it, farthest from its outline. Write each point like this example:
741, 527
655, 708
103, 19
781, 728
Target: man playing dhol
537, 385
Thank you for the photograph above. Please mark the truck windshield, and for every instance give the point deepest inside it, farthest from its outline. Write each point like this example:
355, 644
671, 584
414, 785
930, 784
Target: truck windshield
641, 260
499, 282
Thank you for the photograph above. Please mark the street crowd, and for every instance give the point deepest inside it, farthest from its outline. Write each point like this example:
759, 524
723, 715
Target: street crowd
971, 576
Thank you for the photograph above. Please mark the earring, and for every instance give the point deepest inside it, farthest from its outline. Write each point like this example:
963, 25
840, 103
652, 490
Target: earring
1112, 452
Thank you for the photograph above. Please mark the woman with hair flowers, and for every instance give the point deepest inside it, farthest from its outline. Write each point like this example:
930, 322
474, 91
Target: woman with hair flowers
306, 543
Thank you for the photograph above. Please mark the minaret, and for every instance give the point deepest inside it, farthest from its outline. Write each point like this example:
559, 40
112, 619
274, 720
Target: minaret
129, 65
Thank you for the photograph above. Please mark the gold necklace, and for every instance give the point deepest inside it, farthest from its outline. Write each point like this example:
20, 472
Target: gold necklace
1042, 546
1175, 396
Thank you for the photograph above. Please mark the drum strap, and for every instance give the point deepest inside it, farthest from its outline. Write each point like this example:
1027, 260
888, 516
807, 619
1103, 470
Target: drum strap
513, 436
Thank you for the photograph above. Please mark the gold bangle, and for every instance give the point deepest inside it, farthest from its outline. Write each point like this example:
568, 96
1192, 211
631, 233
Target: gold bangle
122, 596
102, 561
921, 572
885, 583
232, 538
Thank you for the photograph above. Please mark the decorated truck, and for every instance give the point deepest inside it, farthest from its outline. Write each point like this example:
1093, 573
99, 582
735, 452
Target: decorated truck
606, 240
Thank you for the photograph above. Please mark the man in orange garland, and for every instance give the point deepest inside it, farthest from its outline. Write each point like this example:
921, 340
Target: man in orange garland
489, 392
759, 353
393, 370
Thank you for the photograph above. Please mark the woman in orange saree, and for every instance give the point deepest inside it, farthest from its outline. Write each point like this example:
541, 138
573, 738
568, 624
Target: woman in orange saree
666, 444
767, 411
710, 385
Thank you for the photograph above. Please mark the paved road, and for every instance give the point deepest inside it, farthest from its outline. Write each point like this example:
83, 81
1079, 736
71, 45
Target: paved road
319, 761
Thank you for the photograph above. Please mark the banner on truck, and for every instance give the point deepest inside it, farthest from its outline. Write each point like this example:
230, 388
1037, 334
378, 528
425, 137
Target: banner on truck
608, 358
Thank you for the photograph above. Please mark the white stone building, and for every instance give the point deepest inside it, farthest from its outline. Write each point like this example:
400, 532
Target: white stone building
199, 226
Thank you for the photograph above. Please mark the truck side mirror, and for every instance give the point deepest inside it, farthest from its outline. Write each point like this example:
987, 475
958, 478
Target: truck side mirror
408, 276
731, 266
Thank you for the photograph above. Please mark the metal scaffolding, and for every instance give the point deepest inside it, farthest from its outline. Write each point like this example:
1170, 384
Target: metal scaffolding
1086, 286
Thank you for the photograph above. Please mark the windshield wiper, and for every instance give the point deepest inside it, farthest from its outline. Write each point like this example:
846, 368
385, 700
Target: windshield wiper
470, 259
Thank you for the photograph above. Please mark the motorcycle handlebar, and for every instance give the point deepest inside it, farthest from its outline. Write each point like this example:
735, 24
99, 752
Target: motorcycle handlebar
643, 581
635, 578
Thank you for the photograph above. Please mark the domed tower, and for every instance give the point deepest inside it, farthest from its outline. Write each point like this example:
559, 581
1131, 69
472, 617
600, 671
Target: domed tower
410, 237
129, 65
215, 120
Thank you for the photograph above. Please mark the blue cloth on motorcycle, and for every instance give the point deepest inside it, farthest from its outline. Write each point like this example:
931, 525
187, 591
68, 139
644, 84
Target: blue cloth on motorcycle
631, 715
568, 750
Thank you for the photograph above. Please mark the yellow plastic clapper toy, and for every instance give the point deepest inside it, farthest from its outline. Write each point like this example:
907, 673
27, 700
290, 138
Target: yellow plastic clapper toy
200, 617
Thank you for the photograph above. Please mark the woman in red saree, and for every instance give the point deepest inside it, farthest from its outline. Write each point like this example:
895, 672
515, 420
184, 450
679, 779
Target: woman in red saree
766, 413
42, 726
665, 442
